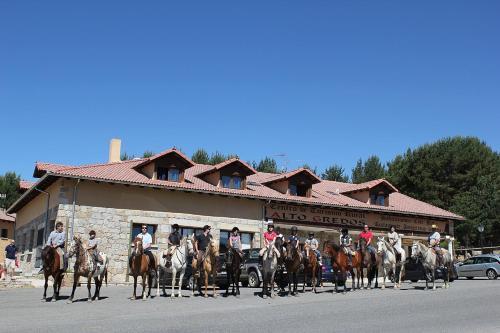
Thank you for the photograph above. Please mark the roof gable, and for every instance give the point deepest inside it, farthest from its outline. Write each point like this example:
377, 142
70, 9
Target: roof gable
173, 154
231, 165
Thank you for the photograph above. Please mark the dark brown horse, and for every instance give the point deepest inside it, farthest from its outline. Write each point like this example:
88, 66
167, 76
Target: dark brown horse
340, 265
293, 260
233, 267
51, 267
83, 268
139, 266
311, 268
368, 261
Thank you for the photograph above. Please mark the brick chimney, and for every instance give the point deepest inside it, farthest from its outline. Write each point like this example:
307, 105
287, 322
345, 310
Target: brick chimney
114, 150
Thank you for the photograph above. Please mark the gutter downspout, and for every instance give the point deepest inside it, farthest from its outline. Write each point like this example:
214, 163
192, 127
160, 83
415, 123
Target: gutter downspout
75, 192
46, 213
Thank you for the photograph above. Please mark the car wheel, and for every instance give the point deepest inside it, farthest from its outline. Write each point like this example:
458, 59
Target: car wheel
469, 277
491, 274
253, 279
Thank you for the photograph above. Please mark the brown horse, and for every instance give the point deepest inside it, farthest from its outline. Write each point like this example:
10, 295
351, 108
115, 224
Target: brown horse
51, 267
233, 268
139, 266
311, 267
293, 260
340, 265
83, 268
208, 266
370, 262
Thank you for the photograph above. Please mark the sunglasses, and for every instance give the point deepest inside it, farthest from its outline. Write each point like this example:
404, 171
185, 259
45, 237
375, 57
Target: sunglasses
144, 228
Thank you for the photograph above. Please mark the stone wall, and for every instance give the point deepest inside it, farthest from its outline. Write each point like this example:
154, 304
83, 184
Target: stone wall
113, 227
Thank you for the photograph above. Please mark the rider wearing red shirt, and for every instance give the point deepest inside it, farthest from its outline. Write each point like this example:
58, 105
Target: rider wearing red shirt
367, 235
269, 237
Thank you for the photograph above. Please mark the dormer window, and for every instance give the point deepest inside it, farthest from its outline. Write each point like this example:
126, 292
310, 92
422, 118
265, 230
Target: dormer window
233, 182
170, 174
295, 183
377, 199
168, 166
231, 174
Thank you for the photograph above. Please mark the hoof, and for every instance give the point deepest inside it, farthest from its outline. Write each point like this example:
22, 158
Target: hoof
132, 298
215, 295
53, 299
172, 296
206, 296
179, 295
89, 300
69, 301
238, 296
383, 287
273, 296
264, 296
144, 299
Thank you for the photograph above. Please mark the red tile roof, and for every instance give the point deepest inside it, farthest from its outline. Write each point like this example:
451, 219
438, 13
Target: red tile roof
324, 193
164, 153
222, 165
25, 185
369, 185
41, 168
284, 176
5, 217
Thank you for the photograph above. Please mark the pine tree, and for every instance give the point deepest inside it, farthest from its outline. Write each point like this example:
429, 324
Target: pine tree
200, 156
9, 186
335, 173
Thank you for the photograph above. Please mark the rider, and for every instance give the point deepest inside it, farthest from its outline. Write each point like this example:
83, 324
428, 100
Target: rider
281, 236
234, 242
346, 244
367, 235
92, 250
147, 240
313, 243
269, 237
434, 240
395, 241
57, 239
200, 246
174, 241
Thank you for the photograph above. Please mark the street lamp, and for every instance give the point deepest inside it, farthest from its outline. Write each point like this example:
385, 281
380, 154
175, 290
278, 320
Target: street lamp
480, 228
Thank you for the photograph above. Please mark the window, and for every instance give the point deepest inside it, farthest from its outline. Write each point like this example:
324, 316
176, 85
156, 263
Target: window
162, 173
136, 230
187, 232
32, 240
469, 261
298, 190
246, 240
377, 199
4, 233
173, 175
39, 237
231, 182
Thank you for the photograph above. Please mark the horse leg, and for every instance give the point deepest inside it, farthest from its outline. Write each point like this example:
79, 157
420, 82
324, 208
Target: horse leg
238, 272
214, 276
150, 284
272, 285
45, 287
75, 282
97, 282
54, 295
206, 284
305, 279
181, 278
89, 295
174, 276
384, 274
143, 285
135, 287
434, 279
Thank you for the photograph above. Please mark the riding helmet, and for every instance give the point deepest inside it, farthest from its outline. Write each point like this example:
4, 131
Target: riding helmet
311, 233
345, 231
206, 227
294, 228
235, 229
175, 226
92, 232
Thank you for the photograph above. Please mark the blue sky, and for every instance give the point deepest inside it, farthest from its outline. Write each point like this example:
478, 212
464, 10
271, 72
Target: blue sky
320, 81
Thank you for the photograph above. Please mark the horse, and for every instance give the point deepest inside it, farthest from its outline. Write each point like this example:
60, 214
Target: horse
429, 261
370, 263
279, 276
208, 266
293, 261
311, 267
269, 266
140, 267
233, 268
51, 267
84, 267
340, 265
389, 263
178, 264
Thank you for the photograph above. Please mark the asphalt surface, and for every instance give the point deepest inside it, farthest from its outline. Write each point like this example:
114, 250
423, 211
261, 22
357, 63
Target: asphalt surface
468, 306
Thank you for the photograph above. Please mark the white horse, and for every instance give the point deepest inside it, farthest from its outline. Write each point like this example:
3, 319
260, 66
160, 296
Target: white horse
179, 263
389, 263
429, 261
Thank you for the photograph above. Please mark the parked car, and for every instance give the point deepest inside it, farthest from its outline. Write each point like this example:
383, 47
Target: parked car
485, 265
414, 271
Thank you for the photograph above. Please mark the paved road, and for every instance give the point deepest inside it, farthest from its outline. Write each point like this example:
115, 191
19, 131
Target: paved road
468, 306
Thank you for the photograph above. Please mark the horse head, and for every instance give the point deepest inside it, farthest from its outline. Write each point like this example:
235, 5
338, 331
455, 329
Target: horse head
213, 247
415, 249
48, 256
74, 245
381, 246
138, 249
292, 248
362, 244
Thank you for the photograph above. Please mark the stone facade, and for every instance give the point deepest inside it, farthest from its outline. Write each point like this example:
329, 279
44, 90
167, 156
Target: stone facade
113, 227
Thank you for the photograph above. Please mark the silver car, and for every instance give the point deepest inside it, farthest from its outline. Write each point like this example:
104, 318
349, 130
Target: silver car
485, 265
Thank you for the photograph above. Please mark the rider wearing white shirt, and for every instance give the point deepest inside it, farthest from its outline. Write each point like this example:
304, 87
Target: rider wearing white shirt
434, 240
395, 240
147, 240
